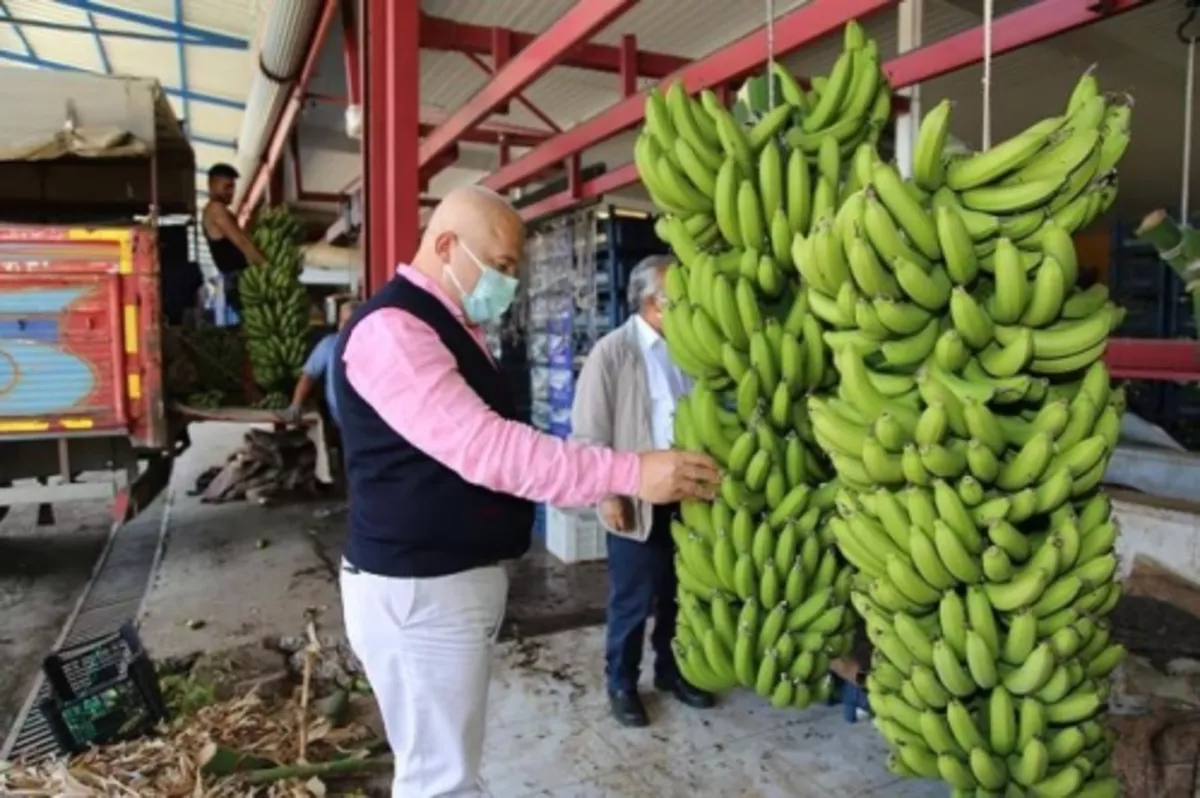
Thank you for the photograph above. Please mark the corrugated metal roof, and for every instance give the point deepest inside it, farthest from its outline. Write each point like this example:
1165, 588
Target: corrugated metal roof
1136, 52
209, 100
572, 95
212, 74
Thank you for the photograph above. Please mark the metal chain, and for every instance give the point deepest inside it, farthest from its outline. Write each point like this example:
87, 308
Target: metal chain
988, 12
771, 54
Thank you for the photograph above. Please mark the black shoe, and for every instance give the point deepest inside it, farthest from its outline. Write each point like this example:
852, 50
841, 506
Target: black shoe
687, 694
628, 709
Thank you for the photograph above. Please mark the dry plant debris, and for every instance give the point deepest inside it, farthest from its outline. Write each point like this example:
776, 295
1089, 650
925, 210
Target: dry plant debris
169, 765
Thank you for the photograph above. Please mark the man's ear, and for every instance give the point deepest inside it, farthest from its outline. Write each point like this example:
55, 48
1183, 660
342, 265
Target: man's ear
441, 244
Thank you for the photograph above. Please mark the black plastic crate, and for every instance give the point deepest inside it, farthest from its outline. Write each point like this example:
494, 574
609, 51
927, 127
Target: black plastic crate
1145, 317
1185, 431
1146, 398
1182, 402
101, 690
632, 233
1182, 323
1143, 275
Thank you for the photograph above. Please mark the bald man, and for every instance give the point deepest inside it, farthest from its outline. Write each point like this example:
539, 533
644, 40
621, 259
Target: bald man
443, 480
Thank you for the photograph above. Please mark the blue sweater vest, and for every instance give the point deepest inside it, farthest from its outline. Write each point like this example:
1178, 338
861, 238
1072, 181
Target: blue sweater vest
411, 516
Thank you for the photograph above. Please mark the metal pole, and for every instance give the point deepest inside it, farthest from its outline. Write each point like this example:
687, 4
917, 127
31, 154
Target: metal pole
908, 38
1188, 105
988, 13
392, 77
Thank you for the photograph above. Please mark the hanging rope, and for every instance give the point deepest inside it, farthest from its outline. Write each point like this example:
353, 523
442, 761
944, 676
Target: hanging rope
1188, 104
1187, 131
771, 54
988, 11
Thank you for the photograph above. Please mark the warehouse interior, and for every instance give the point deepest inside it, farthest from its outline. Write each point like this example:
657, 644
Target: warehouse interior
352, 119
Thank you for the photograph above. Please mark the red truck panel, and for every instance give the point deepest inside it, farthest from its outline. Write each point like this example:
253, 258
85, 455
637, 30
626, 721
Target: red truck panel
80, 347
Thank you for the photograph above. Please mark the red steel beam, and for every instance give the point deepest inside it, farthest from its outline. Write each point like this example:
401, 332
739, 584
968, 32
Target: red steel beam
438, 33
483, 133
495, 137
290, 115
432, 117
1152, 359
627, 69
351, 53
593, 189
798, 28
1029, 25
520, 98
1015, 30
502, 51
584, 20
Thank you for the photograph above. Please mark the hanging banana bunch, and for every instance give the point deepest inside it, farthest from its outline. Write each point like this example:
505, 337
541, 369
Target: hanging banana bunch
970, 426
763, 591
275, 307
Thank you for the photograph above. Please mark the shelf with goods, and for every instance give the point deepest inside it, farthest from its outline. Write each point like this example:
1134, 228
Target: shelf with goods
575, 285
577, 277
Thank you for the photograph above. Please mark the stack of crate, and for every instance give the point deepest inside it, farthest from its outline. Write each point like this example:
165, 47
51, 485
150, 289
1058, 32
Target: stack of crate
1140, 282
578, 269
1157, 306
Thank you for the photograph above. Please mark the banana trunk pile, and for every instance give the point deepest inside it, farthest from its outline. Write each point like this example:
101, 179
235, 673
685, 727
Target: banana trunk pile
275, 307
763, 592
970, 428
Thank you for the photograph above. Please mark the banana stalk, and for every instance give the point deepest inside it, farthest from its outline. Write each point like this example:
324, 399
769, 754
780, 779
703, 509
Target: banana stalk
1178, 246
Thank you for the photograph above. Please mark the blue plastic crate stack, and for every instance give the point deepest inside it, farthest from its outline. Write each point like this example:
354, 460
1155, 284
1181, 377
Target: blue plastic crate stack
578, 269
1157, 306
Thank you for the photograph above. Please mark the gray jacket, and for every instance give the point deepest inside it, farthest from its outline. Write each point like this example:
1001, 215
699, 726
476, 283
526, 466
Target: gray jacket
612, 407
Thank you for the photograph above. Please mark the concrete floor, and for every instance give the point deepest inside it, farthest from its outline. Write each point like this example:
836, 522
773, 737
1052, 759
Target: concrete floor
43, 569
548, 728
239, 572
549, 734
248, 573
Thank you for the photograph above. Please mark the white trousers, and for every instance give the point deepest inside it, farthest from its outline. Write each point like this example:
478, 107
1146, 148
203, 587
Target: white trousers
426, 647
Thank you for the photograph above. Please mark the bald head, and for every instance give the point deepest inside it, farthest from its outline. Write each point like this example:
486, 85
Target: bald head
471, 220
473, 205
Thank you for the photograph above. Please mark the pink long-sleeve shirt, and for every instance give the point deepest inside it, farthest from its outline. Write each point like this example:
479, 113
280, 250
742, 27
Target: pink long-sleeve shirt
400, 367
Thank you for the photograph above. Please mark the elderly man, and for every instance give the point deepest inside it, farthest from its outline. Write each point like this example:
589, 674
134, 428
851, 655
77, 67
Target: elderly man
443, 479
626, 399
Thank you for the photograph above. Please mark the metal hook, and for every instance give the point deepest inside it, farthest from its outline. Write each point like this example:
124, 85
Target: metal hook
1192, 6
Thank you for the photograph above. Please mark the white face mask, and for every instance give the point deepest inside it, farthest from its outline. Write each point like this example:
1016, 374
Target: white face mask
492, 295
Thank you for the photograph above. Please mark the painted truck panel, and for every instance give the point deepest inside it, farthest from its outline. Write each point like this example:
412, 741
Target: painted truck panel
80, 347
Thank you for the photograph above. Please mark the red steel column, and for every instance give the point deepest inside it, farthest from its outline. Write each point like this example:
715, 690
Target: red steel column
391, 131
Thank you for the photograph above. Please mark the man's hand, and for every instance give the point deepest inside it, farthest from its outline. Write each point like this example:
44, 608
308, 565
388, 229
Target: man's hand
671, 476
292, 414
617, 513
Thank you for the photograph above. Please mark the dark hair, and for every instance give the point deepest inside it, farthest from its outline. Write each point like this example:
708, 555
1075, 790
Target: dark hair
222, 170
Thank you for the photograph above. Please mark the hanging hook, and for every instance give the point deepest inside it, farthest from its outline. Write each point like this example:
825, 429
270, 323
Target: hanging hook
1192, 6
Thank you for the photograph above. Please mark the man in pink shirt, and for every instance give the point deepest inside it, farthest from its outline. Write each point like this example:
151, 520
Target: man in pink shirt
443, 479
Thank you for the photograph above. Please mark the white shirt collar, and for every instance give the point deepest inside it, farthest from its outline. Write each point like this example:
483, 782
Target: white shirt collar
648, 337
